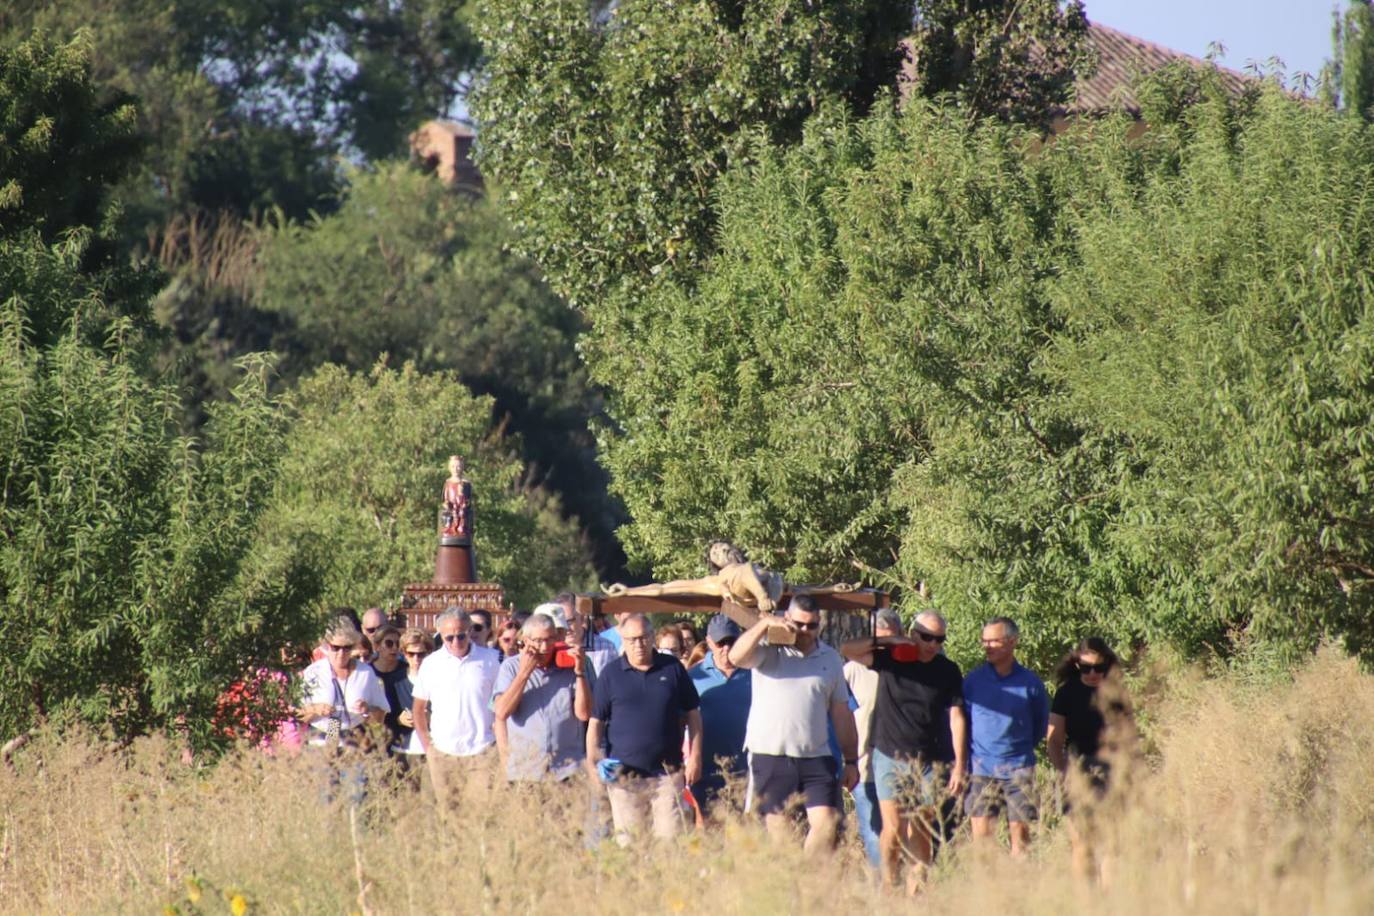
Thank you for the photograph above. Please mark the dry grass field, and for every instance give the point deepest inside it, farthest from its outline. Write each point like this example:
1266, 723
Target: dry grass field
1254, 798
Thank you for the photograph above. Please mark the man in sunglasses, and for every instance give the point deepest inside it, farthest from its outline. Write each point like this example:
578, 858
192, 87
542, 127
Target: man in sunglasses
1009, 713
918, 739
479, 628
374, 618
452, 709
798, 692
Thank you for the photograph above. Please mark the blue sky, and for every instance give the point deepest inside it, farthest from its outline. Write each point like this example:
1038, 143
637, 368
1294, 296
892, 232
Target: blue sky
1298, 31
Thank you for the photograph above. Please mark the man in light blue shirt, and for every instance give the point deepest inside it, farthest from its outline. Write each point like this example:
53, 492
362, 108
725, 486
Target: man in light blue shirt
1009, 713
543, 706
725, 693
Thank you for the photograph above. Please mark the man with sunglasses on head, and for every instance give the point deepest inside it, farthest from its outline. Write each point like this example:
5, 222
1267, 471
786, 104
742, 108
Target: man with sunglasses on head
452, 708
726, 695
918, 739
1009, 713
798, 691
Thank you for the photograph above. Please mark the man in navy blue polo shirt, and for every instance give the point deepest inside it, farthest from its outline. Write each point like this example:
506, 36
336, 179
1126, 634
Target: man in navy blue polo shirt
725, 696
640, 702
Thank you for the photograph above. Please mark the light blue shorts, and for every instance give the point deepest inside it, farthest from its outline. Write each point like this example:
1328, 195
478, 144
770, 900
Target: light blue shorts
913, 782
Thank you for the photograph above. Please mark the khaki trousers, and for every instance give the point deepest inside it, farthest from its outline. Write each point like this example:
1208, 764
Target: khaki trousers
637, 801
458, 778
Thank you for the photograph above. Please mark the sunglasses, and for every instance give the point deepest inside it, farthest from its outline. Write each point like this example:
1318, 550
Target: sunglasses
370, 630
477, 627
1099, 668
333, 648
725, 643
456, 637
390, 643
419, 654
931, 637
816, 625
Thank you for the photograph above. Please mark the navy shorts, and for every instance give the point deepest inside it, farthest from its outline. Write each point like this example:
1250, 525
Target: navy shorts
988, 795
773, 780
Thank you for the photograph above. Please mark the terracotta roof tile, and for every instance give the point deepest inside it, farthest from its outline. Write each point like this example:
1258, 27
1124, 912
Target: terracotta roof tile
1121, 59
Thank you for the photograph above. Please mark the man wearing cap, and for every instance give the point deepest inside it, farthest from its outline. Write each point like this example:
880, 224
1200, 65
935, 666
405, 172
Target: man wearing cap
542, 706
725, 692
452, 708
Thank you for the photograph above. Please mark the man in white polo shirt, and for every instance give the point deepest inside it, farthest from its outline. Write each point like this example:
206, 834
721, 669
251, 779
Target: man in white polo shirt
452, 708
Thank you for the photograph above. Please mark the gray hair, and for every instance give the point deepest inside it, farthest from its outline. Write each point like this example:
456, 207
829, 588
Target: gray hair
1009, 628
804, 603
642, 618
537, 622
889, 618
452, 612
343, 630
932, 614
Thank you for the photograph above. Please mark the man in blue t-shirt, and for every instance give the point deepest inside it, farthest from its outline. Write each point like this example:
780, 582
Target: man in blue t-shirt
725, 693
1009, 712
641, 702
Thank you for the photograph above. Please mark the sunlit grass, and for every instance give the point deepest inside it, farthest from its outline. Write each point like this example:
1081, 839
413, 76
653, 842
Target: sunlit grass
1252, 799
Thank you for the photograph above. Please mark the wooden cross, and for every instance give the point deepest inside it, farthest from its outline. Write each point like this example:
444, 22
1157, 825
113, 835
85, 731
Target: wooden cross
856, 602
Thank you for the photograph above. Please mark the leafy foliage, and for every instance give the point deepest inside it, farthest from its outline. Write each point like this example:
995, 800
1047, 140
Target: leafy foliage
1011, 61
1347, 80
1107, 385
131, 581
361, 480
132, 586
607, 127
410, 269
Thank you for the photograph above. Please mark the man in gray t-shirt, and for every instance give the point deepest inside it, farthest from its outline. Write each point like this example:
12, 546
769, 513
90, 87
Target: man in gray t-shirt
798, 691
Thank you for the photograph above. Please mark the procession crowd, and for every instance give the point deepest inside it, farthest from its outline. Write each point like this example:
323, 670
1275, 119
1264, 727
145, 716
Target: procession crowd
661, 728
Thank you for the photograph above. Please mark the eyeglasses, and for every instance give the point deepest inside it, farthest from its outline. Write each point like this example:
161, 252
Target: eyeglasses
477, 627
814, 625
1099, 668
931, 637
419, 654
994, 642
456, 637
725, 643
390, 643
333, 648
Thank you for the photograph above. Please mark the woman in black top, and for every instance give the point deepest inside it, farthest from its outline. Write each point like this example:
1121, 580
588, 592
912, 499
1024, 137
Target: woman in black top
1089, 719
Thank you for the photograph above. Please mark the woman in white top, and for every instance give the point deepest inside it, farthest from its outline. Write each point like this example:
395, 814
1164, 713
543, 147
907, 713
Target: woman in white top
341, 694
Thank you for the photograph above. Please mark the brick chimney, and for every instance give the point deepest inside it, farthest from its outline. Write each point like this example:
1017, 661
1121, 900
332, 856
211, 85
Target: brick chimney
446, 148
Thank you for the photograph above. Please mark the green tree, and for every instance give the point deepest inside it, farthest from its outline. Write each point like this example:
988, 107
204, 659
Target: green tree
251, 105
1347, 80
362, 476
1012, 61
607, 130
408, 268
132, 585
1117, 386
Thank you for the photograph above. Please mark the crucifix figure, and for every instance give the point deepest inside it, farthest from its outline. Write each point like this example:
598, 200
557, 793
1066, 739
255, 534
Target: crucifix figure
732, 577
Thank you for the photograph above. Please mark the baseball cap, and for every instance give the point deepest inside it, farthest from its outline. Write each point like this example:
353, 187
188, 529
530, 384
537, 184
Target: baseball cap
555, 613
722, 628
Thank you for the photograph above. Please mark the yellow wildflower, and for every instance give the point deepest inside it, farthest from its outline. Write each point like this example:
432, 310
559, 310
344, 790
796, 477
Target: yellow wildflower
238, 906
193, 890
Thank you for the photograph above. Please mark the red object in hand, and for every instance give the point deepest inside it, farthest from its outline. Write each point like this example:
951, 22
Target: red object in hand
905, 652
561, 657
